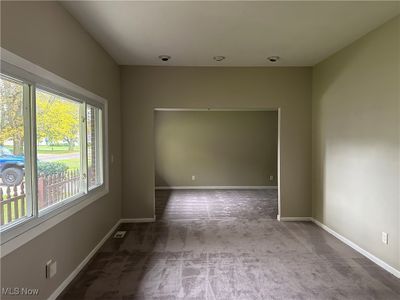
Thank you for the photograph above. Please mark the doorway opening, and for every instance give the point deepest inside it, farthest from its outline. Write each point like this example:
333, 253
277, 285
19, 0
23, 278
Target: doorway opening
217, 163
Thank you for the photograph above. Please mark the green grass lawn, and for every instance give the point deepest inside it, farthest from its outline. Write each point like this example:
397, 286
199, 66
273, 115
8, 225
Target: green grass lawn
73, 163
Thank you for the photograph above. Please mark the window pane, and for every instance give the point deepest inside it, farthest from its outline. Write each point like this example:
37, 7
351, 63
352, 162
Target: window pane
94, 146
58, 148
14, 203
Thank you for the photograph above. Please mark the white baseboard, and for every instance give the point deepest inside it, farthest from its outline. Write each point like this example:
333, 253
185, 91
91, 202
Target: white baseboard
83, 263
218, 187
75, 272
138, 220
294, 219
368, 255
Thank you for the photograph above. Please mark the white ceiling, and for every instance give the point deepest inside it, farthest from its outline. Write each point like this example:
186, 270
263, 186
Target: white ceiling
302, 33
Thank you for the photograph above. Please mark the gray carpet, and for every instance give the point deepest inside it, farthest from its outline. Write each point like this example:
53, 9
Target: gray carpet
227, 245
216, 204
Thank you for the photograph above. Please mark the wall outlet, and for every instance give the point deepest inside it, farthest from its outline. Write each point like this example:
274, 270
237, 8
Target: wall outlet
193, 178
51, 269
271, 177
385, 238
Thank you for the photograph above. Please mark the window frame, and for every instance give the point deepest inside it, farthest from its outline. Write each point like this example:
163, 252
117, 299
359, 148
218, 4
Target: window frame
83, 149
99, 145
35, 77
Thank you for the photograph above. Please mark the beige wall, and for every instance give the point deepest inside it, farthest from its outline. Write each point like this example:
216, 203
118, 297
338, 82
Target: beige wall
356, 141
146, 88
45, 34
220, 148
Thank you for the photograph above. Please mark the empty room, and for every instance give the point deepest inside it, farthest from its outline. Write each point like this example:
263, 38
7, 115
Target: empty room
200, 150
209, 164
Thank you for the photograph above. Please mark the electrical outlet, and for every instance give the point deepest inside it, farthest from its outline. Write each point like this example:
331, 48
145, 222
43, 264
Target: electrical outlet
271, 177
193, 178
51, 269
385, 238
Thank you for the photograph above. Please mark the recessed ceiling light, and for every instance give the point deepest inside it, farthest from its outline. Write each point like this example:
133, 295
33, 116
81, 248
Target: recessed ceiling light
274, 59
219, 58
164, 57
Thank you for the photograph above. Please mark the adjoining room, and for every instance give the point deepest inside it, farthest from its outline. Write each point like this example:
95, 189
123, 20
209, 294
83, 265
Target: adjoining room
216, 163
204, 150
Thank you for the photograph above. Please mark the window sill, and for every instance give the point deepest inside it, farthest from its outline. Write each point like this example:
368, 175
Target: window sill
30, 228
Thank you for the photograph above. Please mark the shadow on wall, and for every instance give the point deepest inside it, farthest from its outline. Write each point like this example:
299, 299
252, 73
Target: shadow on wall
324, 84
346, 85
160, 180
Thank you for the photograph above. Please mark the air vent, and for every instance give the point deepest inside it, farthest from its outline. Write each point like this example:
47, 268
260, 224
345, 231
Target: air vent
119, 234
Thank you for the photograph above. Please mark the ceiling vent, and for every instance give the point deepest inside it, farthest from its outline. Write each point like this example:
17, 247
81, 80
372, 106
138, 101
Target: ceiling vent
274, 59
219, 58
164, 57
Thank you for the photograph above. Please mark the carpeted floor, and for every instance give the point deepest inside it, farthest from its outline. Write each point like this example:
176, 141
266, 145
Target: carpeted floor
228, 245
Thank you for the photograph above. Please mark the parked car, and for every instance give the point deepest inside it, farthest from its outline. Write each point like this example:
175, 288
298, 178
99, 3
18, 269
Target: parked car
11, 167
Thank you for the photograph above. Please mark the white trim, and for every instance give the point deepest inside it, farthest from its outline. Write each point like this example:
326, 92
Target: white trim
56, 80
37, 230
83, 263
32, 68
218, 187
278, 161
25, 231
367, 254
76, 271
295, 219
138, 220
277, 109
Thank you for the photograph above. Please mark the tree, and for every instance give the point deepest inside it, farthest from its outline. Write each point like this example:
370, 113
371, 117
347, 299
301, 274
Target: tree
57, 119
11, 114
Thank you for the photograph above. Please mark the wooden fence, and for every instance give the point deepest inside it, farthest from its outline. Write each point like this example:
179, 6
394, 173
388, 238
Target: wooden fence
51, 189
57, 187
13, 203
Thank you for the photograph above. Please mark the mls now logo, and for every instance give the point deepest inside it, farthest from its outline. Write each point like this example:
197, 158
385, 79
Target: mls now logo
16, 291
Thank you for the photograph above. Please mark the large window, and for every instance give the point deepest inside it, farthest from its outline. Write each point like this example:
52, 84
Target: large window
59, 160
14, 96
51, 150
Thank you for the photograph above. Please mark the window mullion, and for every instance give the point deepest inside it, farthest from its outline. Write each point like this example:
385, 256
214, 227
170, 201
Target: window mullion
83, 136
33, 154
100, 145
29, 150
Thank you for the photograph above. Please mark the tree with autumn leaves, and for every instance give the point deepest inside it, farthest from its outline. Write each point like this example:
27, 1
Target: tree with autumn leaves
11, 114
57, 119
